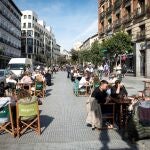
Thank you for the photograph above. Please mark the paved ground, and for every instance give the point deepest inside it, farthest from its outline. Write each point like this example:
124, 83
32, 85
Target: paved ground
63, 124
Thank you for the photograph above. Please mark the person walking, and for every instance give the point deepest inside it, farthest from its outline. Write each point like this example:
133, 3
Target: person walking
68, 68
100, 71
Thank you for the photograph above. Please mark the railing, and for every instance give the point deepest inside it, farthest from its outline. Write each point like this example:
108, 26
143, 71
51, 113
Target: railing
117, 23
108, 28
102, 31
10, 20
127, 18
2, 40
9, 31
117, 4
109, 10
5, 3
102, 15
139, 12
141, 35
102, 2
126, 1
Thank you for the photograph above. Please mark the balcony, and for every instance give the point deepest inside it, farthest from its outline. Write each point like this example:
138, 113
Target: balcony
109, 10
9, 19
141, 35
117, 23
140, 12
102, 31
126, 1
127, 18
108, 28
117, 4
102, 2
102, 15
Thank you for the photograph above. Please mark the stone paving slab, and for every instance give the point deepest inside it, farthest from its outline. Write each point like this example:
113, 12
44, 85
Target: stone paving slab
63, 125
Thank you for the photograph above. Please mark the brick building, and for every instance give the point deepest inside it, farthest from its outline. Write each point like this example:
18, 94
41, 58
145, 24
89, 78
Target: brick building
132, 16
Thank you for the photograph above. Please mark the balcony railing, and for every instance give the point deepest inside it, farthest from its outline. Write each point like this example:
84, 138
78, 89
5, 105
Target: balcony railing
108, 28
141, 35
126, 1
2, 40
127, 18
102, 2
102, 31
9, 31
117, 23
102, 15
109, 10
117, 4
10, 20
140, 12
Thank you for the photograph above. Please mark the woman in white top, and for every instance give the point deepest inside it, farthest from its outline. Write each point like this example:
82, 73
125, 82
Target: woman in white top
83, 81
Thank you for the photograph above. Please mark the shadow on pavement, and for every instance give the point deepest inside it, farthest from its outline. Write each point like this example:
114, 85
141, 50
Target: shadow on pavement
105, 138
45, 121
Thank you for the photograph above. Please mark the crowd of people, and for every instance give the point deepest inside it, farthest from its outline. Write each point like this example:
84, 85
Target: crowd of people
105, 88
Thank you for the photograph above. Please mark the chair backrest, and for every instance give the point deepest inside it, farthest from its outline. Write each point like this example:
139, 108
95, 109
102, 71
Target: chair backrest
27, 109
39, 85
96, 85
4, 113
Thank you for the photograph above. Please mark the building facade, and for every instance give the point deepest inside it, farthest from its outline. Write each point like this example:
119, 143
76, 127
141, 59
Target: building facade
86, 45
56, 53
10, 31
132, 16
38, 41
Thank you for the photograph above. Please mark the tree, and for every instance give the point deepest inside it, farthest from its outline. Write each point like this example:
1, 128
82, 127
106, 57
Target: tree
74, 55
62, 60
85, 55
96, 53
119, 43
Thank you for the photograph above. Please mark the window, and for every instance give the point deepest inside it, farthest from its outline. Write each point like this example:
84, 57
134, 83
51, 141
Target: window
29, 32
29, 25
24, 25
25, 16
29, 16
33, 17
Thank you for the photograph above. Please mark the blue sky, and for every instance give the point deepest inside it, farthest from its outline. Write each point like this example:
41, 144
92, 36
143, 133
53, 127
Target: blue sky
71, 20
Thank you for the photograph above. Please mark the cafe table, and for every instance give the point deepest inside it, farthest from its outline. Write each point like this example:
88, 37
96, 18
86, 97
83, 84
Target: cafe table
123, 104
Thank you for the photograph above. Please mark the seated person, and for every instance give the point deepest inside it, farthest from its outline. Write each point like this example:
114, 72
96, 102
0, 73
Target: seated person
100, 93
118, 90
112, 79
40, 77
83, 81
76, 73
10, 80
26, 78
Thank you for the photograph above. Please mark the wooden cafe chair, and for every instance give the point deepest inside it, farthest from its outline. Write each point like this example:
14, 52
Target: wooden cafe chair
6, 119
40, 89
28, 117
110, 115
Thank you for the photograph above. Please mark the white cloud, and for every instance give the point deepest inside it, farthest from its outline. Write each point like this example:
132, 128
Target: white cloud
90, 30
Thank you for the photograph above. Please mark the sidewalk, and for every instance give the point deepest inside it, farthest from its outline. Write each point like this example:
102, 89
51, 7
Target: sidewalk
63, 125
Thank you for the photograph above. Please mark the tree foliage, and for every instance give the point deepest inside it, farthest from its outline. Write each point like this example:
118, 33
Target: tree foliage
62, 60
119, 43
74, 55
96, 53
